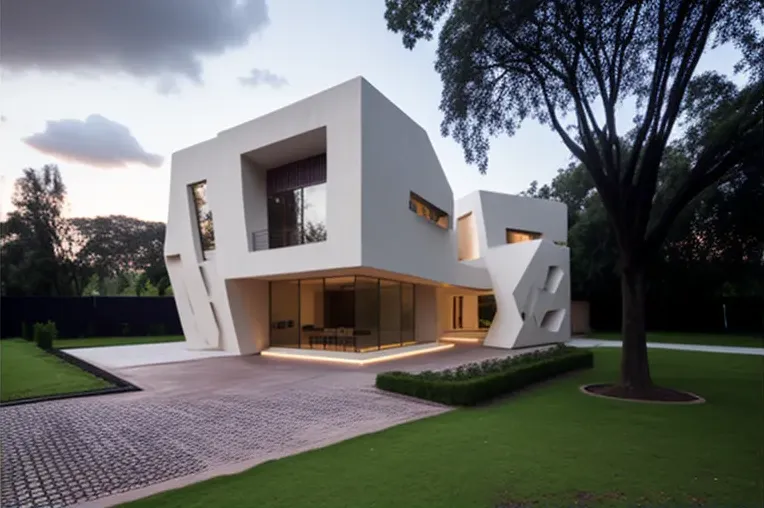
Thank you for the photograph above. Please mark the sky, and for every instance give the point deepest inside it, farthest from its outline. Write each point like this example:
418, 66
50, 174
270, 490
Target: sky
108, 90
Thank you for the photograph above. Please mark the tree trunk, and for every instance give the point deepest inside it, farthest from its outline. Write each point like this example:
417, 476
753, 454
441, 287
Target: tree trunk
635, 369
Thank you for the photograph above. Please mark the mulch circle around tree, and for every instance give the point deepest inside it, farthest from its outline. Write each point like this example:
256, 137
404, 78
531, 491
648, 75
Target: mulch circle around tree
656, 394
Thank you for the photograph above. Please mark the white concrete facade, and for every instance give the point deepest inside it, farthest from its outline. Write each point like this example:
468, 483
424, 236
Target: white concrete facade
368, 158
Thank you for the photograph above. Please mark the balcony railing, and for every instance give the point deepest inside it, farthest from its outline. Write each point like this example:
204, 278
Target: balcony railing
265, 239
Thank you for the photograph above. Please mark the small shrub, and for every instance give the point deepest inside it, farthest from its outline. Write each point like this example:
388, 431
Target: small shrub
478, 382
26, 331
91, 330
125, 329
45, 334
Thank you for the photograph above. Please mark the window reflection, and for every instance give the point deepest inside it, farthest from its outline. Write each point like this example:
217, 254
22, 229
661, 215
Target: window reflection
314, 213
285, 313
389, 313
297, 216
350, 313
203, 216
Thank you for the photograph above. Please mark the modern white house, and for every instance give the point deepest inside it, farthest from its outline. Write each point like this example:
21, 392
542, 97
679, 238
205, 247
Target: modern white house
328, 228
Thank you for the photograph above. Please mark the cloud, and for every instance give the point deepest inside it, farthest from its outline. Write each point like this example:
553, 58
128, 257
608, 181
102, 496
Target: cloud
259, 77
155, 39
97, 141
3, 118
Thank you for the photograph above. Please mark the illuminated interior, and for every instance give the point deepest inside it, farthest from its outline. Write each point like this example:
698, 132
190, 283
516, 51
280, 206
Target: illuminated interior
349, 313
425, 209
516, 236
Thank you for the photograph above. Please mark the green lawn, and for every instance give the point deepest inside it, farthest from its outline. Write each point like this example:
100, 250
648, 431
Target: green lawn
706, 339
552, 445
114, 341
27, 371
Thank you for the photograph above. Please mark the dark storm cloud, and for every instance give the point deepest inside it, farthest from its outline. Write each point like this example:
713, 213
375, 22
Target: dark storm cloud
259, 77
97, 141
154, 39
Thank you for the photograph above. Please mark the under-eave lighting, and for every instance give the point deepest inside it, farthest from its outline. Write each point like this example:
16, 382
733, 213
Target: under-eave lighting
350, 361
465, 340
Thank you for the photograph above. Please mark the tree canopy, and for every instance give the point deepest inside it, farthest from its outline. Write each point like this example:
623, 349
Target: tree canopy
577, 66
44, 253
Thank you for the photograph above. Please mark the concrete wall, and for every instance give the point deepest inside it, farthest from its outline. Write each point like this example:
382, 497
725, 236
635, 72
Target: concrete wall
398, 159
426, 317
494, 213
532, 291
376, 156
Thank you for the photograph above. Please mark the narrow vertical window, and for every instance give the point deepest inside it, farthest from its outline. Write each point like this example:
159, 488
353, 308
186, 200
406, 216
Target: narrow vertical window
203, 216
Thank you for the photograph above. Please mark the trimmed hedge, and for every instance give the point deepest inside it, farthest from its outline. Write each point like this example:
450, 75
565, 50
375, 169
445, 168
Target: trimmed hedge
472, 384
45, 334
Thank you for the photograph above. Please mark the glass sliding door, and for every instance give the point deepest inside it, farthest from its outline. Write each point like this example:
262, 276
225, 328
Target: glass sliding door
285, 313
351, 313
367, 313
389, 313
311, 312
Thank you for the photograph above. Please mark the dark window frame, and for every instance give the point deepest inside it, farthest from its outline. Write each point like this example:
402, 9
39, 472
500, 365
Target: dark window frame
434, 213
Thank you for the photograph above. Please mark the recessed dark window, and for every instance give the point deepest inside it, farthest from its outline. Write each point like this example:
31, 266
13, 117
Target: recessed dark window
517, 236
425, 209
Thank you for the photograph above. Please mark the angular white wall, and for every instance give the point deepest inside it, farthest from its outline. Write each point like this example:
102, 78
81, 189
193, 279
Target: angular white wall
532, 289
376, 156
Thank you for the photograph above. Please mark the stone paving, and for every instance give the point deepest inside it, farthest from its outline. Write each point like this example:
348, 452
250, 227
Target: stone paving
67, 452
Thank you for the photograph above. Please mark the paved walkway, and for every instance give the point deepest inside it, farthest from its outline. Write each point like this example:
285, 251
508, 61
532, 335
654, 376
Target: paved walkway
196, 419
117, 357
589, 343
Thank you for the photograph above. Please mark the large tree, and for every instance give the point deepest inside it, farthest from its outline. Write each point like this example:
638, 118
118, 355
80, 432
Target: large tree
38, 247
714, 249
117, 244
585, 62
44, 253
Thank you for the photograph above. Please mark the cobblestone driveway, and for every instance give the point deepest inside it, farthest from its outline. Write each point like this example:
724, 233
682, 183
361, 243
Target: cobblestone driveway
67, 452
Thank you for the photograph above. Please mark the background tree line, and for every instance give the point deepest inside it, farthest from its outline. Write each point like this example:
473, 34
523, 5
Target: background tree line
44, 253
714, 249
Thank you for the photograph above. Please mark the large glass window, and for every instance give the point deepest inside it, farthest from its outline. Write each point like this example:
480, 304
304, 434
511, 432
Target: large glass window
311, 311
425, 209
339, 308
389, 313
297, 216
314, 213
296, 204
285, 313
367, 313
203, 216
342, 313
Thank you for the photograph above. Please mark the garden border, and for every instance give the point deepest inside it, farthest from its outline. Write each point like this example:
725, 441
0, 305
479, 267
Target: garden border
120, 385
484, 388
698, 398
